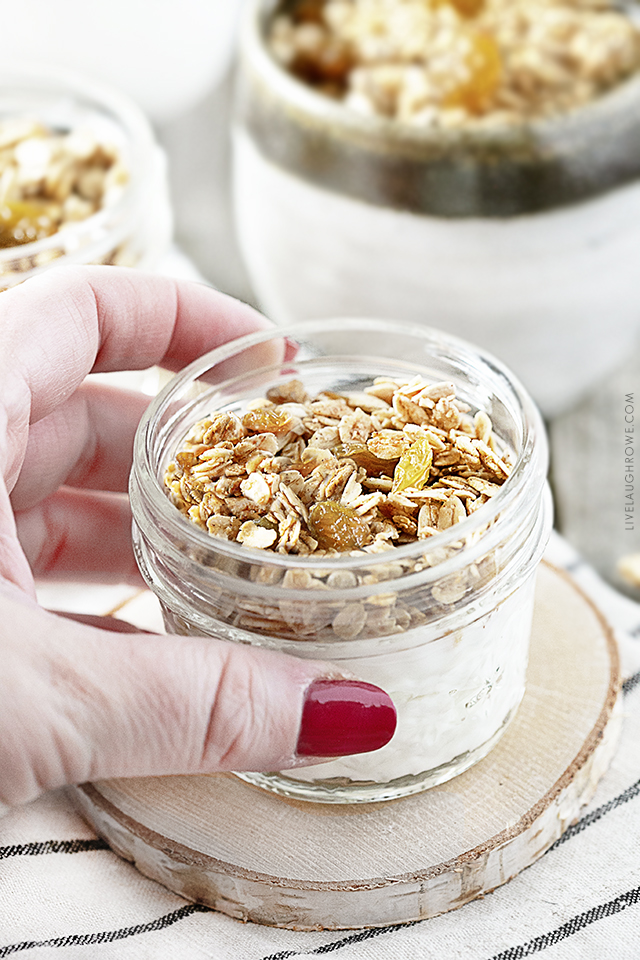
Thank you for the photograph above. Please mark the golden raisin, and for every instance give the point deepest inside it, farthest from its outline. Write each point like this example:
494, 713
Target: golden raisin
466, 8
363, 457
336, 61
268, 523
336, 527
23, 222
309, 11
264, 420
186, 459
331, 64
413, 467
485, 73
469, 8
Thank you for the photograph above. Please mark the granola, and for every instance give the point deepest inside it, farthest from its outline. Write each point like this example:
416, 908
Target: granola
49, 181
448, 63
339, 473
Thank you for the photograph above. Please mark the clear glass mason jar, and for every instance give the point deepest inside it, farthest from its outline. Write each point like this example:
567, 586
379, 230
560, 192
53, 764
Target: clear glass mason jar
442, 624
520, 237
133, 230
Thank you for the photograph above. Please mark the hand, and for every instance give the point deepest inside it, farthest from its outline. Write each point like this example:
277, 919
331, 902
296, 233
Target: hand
80, 702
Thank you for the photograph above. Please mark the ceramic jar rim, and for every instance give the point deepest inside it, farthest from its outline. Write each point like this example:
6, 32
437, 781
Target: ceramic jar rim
478, 170
317, 108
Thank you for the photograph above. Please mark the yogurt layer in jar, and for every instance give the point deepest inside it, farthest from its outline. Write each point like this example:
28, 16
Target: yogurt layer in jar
455, 696
371, 520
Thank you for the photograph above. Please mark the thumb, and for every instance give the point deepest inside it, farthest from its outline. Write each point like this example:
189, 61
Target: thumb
79, 703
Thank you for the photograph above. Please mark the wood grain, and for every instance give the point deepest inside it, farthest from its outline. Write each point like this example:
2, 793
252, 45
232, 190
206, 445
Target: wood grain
259, 857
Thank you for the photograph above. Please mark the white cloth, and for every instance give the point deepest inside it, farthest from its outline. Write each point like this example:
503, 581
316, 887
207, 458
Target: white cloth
63, 893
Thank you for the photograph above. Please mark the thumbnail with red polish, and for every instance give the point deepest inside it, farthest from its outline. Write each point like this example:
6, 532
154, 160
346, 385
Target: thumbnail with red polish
340, 717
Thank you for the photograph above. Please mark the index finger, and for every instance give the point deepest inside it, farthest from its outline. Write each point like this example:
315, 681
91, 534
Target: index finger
70, 321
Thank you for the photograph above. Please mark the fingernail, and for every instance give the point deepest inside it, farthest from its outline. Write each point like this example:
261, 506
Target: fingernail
291, 348
340, 717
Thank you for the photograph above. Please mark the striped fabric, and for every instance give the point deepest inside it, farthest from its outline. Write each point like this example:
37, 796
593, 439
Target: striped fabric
63, 893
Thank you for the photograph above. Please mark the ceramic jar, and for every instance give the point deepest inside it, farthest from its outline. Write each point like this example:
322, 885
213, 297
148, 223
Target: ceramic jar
521, 238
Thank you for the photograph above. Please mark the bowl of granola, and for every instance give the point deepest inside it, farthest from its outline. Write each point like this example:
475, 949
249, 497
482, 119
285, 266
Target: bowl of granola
82, 179
473, 164
378, 501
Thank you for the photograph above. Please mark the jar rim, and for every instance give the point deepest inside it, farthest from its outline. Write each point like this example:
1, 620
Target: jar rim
531, 459
18, 78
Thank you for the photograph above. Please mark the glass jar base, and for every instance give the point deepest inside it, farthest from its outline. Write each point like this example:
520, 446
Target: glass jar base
339, 790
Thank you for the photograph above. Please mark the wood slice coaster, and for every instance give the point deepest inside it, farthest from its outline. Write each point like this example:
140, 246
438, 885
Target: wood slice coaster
307, 866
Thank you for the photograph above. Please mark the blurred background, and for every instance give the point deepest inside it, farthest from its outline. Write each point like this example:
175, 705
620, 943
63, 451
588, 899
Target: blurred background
178, 63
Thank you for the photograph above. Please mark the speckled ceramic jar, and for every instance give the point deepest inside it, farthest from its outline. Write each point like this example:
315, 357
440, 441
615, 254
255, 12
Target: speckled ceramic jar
523, 239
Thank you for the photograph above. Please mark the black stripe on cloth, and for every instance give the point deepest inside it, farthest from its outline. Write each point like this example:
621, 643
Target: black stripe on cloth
568, 929
359, 937
107, 936
40, 847
629, 794
631, 683
76, 846
587, 821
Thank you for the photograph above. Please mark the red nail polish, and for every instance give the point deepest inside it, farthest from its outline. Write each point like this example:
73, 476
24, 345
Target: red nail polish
291, 348
340, 717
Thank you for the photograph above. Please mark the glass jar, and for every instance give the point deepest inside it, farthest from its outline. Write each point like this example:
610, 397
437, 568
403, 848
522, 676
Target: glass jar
134, 228
441, 624
519, 237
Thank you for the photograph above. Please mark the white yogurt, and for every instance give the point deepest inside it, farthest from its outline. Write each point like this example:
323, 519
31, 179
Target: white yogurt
453, 695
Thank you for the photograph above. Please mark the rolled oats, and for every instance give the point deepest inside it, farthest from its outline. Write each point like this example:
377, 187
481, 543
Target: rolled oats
349, 622
253, 535
366, 491
340, 487
342, 580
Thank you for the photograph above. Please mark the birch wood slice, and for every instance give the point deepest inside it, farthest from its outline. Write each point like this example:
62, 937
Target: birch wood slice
259, 857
